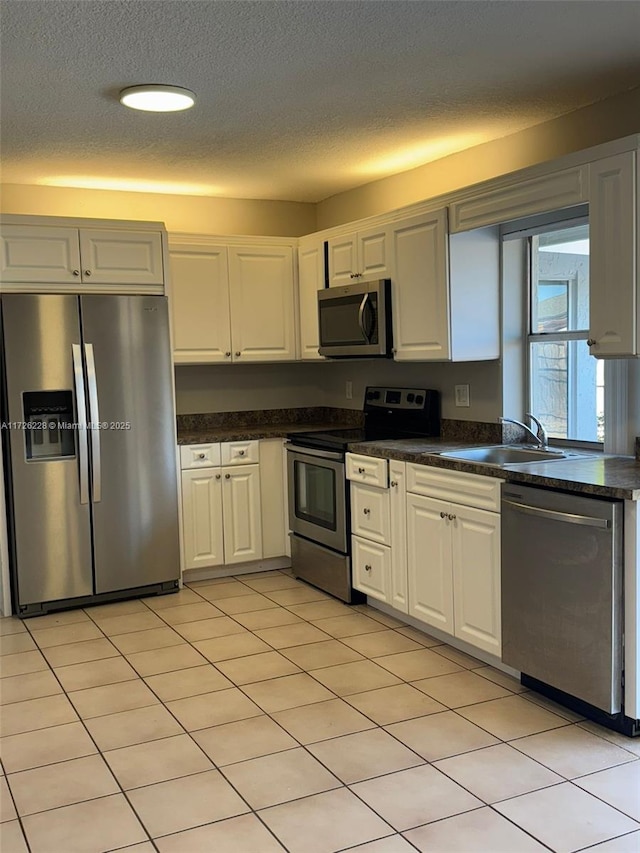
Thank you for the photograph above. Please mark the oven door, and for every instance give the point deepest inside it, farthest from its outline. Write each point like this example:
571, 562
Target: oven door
317, 496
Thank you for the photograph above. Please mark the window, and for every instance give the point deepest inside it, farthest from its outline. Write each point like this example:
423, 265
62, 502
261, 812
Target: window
566, 384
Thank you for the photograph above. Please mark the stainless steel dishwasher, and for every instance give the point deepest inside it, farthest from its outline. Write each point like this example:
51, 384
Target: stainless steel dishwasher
562, 597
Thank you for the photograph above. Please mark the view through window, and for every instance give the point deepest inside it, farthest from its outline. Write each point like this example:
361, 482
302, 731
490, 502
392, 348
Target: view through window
566, 384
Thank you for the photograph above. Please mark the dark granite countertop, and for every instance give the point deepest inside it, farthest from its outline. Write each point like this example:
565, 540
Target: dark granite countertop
599, 475
245, 432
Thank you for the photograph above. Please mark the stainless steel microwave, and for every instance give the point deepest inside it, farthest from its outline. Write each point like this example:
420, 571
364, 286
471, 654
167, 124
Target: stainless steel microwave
355, 320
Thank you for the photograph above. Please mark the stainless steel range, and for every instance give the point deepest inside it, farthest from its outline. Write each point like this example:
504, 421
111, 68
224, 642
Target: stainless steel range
319, 518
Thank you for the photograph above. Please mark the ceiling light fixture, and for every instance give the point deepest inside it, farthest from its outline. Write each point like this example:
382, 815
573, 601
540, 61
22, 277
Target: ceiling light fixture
157, 98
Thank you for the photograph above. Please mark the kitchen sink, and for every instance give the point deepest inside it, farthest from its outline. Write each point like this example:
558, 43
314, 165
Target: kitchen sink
503, 454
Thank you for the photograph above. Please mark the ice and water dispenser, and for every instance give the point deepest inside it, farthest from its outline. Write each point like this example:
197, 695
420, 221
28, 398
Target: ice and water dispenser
48, 425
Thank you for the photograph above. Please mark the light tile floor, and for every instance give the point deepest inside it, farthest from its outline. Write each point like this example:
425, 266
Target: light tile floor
256, 714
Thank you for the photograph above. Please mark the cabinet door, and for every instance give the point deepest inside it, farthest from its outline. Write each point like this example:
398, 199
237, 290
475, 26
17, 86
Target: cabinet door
241, 513
613, 277
343, 260
370, 516
121, 257
429, 569
475, 536
371, 568
34, 254
398, 506
262, 303
420, 289
374, 252
200, 304
202, 518
310, 281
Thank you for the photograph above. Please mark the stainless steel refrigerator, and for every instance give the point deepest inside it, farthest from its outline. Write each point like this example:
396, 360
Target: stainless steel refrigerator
88, 429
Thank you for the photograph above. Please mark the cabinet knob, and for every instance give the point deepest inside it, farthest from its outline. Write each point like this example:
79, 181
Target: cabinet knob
591, 342
367, 568
360, 470
227, 476
366, 511
451, 517
241, 453
238, 354
227, 355
76, 272
201, 455
217, 476
443, 514
393, 484
87, 273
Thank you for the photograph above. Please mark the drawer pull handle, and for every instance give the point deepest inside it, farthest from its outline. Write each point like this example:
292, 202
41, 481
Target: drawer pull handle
451, 517
217, 476
443, 515
87, 272
201, 455
367, 568
366, 511
238, 354
592, 342
393, 484
76, 272
227, 354
360, 470
227, 476
241, 453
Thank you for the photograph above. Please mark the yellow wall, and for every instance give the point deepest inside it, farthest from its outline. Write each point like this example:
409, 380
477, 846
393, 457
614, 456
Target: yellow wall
192, 214
602, 122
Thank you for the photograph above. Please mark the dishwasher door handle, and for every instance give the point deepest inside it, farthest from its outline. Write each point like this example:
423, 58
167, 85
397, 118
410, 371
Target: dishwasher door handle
555, 515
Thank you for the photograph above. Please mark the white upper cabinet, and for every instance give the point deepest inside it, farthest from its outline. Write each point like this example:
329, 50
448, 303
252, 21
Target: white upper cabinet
445, 291
365, 254
262, 303
310, 281
231, 303
614, 281
72, 259
200, 304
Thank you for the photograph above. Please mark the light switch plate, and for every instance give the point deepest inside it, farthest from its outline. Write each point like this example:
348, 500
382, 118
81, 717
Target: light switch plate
462, 395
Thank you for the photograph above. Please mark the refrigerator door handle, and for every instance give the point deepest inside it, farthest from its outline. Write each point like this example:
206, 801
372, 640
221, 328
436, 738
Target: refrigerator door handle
94, 418
81, 406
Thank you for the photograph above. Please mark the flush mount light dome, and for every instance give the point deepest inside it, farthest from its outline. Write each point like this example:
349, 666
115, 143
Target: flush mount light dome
157, 98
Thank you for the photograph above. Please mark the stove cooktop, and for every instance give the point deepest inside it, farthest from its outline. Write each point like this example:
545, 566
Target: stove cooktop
390, 413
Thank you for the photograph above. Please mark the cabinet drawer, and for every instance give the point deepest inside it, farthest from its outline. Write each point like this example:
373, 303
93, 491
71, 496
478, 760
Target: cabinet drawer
456, 486
371, 568
370, 513
199, 455
240, 452
367, 469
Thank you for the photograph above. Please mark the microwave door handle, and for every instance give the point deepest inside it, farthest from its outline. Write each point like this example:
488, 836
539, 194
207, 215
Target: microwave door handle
361, 310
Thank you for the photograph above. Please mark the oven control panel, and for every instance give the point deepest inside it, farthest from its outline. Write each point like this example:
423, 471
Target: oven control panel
411, 399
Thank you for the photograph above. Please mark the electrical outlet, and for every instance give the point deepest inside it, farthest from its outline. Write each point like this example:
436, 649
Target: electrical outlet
349, 390
462, 395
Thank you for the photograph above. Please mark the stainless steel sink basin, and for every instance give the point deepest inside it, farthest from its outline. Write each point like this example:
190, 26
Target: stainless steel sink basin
502, 455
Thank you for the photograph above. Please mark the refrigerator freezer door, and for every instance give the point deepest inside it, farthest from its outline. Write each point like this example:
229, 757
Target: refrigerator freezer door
52, 527
135, 518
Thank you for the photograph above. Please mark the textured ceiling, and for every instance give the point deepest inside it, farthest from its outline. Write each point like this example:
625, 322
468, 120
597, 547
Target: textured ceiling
296, 100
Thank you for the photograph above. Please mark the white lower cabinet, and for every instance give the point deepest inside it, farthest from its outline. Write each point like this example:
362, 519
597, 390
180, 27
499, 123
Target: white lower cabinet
221, 506
453, 558
379, 567
426, 541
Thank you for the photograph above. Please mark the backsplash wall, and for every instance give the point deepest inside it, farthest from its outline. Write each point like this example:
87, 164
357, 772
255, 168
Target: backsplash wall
243, 387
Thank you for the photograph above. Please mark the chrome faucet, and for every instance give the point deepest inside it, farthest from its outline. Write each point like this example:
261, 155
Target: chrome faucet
540, 436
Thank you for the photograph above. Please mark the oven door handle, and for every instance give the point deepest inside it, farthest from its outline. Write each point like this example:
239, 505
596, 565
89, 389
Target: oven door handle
313, 451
